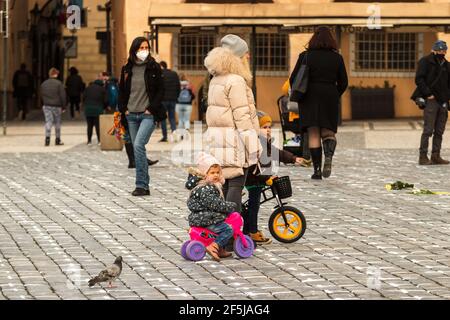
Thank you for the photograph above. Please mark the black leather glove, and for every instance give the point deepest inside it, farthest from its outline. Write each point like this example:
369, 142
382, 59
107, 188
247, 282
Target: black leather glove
421, 103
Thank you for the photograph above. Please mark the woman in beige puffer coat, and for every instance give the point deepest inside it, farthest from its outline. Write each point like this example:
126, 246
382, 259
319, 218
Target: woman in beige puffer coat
233, 127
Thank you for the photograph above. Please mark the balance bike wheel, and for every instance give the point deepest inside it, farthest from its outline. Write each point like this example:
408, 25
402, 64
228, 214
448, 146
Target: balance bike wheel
297, 224
242, 251
195, 251
184, 250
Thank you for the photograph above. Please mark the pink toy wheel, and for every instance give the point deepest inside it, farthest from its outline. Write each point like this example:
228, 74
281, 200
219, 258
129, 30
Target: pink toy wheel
195, 251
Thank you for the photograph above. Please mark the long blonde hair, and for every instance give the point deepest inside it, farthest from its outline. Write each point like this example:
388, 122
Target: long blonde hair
248, 72
223, 61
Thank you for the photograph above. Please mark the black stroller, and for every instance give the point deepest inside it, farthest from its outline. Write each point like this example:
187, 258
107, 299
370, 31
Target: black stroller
290, 122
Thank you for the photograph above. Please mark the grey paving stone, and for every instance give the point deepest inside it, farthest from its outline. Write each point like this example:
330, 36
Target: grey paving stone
62, 226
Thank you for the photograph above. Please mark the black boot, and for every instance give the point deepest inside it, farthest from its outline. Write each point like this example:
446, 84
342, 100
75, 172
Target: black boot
316, 155
139, 192
329, 146
47, 141
151, 162
306, 154
130, 153
58, 142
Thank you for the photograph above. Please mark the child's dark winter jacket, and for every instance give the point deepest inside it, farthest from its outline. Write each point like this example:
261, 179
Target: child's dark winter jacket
257, 178
205, 203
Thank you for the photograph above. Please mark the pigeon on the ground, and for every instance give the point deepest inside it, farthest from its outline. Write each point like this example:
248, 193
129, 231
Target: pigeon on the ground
109, 274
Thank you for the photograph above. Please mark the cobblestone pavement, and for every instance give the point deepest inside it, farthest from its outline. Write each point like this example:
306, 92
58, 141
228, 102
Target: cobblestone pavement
65, 216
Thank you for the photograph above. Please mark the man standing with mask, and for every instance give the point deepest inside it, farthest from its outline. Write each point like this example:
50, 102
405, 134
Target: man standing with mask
433, 89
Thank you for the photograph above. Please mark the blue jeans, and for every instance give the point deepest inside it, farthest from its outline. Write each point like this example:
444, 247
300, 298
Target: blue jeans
251, 217
184, 115
170, 107
224, 233
141, 126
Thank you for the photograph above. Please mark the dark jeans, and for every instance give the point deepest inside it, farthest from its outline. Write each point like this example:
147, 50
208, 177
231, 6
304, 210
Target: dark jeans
251, 216
170, 107
91, 123
74, 105
22, 105
435, 118
224, 233
232, 190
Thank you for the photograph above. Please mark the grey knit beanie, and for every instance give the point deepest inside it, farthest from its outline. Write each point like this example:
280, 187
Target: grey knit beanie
236, 44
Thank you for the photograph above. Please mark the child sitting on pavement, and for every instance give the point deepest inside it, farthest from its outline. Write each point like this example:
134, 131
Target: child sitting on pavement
256, 180
207, 205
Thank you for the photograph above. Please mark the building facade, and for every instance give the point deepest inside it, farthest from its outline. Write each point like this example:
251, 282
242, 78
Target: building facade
39, 37
90, 53
380, 42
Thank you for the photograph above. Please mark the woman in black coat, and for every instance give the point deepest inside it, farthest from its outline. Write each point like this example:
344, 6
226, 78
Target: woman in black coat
141, 91
319, 108
74, 87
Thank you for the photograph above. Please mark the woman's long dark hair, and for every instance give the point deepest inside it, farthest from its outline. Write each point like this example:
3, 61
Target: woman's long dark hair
322, 39
135, 45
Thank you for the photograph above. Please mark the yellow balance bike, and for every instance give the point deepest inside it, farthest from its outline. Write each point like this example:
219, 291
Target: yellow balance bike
287, 224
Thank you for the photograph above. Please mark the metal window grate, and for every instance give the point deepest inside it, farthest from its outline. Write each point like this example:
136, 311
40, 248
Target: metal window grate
272, 52
193, 49
381, 51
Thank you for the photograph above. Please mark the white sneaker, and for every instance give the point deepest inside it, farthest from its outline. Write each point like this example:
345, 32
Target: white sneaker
89, 144
177, 134
186, 134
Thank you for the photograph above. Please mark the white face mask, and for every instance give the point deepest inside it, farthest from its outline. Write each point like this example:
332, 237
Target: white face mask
142, 55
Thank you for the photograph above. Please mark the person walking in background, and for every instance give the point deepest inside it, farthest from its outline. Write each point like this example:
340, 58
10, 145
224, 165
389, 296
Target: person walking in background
112, 92
141, 90
233, 126
184, 105
54, 101
319, 108
23, 89
171, 93
94, 101
433, 87
75, 87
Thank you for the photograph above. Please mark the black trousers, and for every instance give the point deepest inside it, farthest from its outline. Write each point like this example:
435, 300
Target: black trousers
74, 105
435, 119
251, 216
22, 105
91, 123
232, 190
